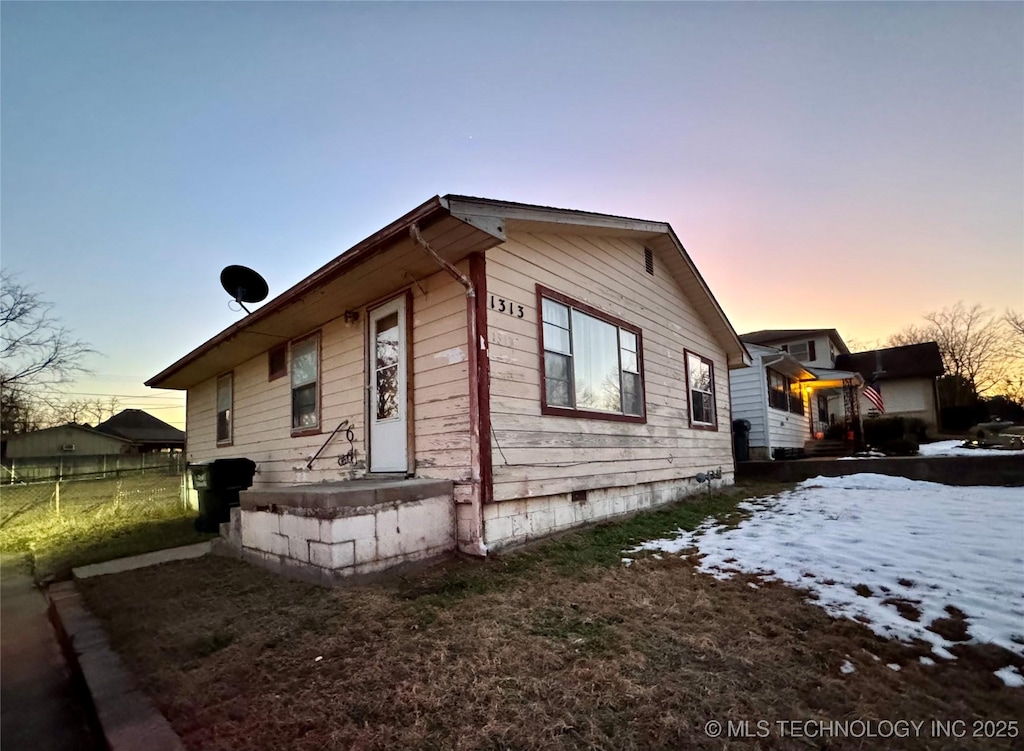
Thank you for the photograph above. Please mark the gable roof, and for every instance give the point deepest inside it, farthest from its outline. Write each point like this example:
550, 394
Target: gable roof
909, 361
455, 226
67, 426
769, 336
141, 427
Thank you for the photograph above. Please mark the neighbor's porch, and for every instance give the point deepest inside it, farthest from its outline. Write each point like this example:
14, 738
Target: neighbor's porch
834, 420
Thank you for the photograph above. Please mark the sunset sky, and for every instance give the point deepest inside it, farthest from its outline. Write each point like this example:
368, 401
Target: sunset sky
826, 165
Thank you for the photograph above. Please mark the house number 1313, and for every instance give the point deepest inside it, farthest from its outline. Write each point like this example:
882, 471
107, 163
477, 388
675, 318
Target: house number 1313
502, 305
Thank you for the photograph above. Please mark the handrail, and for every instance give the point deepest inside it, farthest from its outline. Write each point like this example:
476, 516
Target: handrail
344, 424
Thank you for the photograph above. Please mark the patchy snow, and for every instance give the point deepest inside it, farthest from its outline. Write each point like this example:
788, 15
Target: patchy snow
894, 666
927, 660
1011, 676
939, 448
954, 448
847, 667
927, 545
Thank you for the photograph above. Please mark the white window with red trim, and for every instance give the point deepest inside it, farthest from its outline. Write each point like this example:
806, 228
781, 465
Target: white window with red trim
700, 381
592, 363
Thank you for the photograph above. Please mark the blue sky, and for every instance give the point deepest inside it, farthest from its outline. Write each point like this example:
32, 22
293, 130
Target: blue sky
849, 165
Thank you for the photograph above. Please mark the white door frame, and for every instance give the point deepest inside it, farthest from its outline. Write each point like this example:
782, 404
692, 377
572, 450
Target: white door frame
387, 422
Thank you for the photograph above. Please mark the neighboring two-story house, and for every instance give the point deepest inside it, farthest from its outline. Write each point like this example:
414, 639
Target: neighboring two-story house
793, 396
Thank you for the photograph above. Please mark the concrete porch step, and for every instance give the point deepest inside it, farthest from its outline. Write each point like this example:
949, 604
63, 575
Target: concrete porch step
344, 496
826, 447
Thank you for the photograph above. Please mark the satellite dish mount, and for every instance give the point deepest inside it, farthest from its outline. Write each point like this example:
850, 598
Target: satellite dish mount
244, 285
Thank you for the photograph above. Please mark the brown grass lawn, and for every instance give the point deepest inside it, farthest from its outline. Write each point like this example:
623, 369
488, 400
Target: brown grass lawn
556, 648
97, 520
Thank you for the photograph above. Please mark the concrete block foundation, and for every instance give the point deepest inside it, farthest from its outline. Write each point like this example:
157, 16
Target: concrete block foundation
331, 531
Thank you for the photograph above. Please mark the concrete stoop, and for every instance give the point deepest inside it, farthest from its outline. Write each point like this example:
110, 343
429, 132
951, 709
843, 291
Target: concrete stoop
127, 717
331, 532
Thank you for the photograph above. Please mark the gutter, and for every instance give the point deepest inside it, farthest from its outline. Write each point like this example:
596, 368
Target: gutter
475, 344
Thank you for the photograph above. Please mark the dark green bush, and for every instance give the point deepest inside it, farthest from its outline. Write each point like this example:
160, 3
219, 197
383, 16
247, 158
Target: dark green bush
881, 430
916, 428
899, 447
836, 432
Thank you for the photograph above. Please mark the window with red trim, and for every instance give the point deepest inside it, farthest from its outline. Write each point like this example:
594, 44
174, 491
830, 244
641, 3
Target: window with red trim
700, 380
592, 363
306, 383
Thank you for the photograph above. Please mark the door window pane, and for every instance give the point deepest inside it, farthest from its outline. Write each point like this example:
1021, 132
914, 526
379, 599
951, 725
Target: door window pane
387, 340
387, 393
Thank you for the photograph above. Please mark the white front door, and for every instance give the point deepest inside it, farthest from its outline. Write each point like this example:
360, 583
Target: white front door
387, 366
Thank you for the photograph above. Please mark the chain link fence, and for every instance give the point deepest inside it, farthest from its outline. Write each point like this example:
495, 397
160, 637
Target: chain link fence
88, 506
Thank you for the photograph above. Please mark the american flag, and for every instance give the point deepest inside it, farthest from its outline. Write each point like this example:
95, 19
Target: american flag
873, 393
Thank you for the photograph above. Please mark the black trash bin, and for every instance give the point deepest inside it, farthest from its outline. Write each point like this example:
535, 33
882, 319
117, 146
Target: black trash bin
219, 482
741, 440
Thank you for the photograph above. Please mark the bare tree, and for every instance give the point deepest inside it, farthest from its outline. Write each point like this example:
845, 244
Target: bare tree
973, 343
1015, 322
36, 350
1014, 386
80, 411
910, 335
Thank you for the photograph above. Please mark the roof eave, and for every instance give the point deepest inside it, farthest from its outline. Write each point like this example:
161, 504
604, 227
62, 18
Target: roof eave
336, 267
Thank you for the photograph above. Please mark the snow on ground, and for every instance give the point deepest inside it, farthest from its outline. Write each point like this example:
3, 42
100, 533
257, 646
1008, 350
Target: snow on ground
953, 448
941, 448
928, 544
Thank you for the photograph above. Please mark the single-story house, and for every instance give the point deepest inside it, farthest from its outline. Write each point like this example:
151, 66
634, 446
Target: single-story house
66, 440
905, 377
130, 431
476, 374
146, 432
795, 397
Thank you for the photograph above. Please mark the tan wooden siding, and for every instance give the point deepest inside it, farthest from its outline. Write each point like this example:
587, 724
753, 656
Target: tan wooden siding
536, 455
441, 378
262, 408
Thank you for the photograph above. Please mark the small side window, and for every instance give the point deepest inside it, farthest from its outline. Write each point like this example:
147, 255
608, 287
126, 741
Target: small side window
277, 362
225, 399
306, 384
700, 377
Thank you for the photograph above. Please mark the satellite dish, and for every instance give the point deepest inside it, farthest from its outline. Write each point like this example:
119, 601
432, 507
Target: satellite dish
244, 285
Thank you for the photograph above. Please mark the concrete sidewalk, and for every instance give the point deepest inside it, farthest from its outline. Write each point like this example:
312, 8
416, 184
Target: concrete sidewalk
39, 706
119, 565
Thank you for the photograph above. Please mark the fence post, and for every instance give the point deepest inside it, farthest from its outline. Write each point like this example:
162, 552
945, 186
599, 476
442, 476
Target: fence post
56, 496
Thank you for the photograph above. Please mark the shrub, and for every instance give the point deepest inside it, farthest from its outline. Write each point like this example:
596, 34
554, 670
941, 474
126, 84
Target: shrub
899, 447
917, 428
881, 430
836, 432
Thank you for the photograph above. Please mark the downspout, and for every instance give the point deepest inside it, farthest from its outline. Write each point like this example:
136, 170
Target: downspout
763, 367
476, 546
